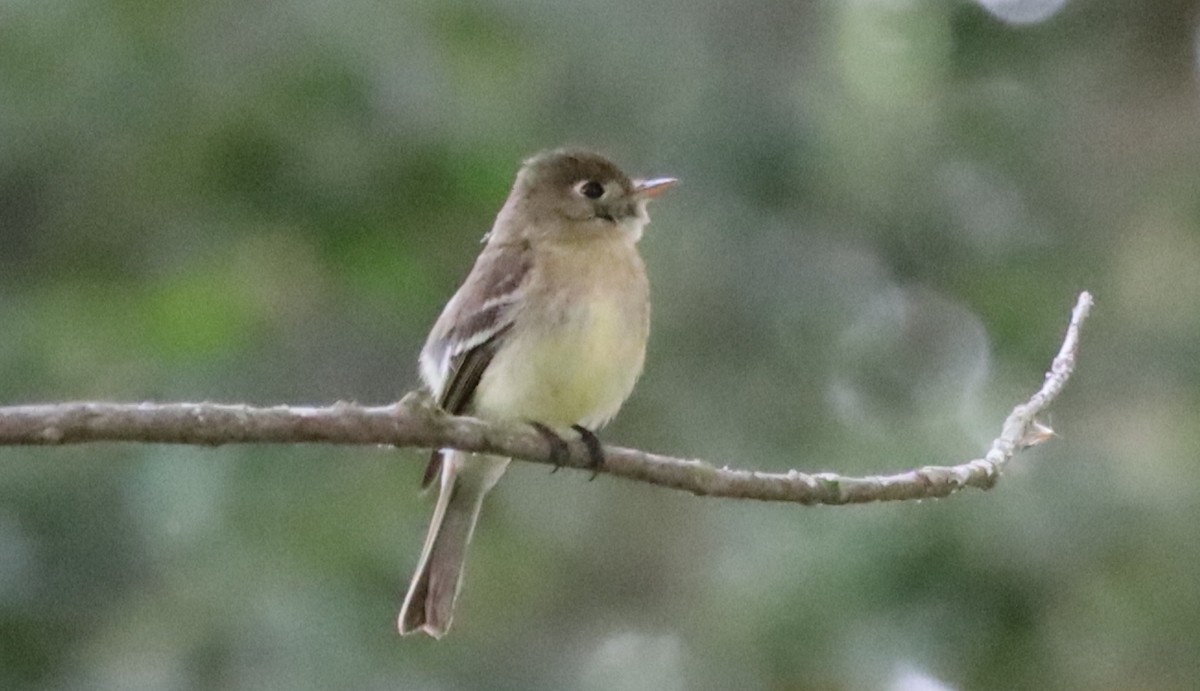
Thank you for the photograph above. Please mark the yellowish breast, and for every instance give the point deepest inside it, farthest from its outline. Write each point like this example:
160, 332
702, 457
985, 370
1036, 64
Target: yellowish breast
577, 349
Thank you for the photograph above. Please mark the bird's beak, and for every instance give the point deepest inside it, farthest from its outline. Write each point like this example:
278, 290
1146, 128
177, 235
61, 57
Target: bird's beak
652, 188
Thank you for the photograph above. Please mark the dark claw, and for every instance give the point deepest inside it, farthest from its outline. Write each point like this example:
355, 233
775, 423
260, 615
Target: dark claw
559, 451
594, 448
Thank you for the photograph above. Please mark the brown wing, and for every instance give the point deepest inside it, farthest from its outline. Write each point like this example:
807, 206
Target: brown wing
471, 329
464, 377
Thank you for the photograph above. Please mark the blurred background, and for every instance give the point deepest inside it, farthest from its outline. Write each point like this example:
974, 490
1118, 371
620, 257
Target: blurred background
887, 211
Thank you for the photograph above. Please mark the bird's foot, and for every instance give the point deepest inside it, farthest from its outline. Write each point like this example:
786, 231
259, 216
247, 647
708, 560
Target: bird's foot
559, 451
594, 448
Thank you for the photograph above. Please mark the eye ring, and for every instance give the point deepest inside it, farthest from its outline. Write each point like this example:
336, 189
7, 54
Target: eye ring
590, 189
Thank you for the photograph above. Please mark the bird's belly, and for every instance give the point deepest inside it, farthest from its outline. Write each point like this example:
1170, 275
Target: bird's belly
577, 370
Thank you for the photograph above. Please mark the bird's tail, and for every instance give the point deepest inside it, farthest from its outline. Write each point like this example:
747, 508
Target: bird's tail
429, 605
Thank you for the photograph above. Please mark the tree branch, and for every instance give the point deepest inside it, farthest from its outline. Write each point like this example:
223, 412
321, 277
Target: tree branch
416, 422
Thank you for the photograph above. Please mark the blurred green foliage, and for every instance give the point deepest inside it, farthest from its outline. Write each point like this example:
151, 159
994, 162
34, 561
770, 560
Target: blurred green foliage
887, 211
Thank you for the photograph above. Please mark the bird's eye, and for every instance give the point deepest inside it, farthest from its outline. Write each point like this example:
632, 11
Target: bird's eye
590, 189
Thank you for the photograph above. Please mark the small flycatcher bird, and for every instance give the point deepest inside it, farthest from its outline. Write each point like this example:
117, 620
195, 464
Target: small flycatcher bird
549, 327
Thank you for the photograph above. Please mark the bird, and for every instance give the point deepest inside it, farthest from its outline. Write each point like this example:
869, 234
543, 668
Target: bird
549, 328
